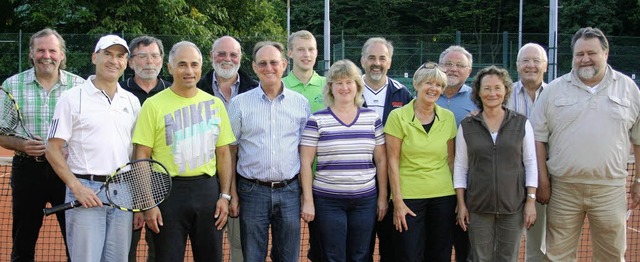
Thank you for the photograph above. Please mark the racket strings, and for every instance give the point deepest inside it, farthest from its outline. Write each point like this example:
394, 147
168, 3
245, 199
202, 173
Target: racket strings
141, 185
8, 115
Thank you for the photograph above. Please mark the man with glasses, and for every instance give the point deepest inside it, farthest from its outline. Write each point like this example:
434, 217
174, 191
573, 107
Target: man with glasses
226, 81
456, 97
146, 62
456, 62
268, 122
532, 64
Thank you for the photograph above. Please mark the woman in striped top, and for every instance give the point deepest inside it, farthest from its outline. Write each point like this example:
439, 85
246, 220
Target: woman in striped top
349, 190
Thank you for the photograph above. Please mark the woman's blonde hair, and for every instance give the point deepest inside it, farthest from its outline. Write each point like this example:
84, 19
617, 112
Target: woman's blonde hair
340, 70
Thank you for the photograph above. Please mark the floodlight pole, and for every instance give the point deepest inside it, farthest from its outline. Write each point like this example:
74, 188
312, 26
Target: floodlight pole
327, 37
553, 40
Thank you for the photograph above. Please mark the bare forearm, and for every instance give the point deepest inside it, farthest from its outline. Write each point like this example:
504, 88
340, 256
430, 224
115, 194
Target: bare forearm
57, 161
223, 160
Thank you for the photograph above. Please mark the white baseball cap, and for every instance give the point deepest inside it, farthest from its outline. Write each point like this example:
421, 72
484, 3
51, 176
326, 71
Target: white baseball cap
109, 40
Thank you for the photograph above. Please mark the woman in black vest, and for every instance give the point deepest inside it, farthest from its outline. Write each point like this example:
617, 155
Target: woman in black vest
495, 172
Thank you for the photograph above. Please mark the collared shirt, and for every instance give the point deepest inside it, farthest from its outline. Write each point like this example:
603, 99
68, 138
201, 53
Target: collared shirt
97, 128
268, 133
520, 101
423, 159
460, 103
312, 90
588, 133
142, 95
218, 94
36, 104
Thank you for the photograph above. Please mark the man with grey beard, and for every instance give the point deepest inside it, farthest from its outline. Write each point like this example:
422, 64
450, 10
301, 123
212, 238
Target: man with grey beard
146, 61
225, 81
583, 122
147, 54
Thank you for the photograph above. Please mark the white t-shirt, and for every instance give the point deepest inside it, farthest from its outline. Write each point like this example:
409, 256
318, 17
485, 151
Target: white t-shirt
375, 99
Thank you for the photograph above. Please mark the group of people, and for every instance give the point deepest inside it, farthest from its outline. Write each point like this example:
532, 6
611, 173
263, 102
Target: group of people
352, 154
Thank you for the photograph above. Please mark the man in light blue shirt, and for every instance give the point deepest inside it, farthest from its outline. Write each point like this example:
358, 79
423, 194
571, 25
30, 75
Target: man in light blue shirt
268, 122
456, 97
532, 64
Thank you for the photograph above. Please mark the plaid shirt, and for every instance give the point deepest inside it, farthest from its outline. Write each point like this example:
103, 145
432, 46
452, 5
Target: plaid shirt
36, 104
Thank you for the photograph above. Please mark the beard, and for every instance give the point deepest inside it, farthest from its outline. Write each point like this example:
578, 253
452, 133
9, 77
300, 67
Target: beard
226, 73
145, 73
587, 72
46, 64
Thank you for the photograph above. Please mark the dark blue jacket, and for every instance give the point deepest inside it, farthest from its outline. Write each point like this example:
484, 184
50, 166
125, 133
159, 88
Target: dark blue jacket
246, 82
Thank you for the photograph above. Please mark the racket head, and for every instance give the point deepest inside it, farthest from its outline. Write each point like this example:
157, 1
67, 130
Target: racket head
9, 114
138, 186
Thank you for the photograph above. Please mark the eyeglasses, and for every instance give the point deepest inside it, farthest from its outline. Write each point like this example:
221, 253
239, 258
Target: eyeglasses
273, 63
449, 65
429, 65
223, 54
144, 56
527, 61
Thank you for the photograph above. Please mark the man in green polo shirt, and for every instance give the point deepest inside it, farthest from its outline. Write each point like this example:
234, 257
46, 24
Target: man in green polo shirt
302, 49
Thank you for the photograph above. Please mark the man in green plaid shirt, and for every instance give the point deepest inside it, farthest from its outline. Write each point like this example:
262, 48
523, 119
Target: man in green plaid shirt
33, 181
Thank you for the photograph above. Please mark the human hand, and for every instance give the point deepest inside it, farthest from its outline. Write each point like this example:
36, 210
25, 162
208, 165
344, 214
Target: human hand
307, 211
222, 213
153, 218
400, 211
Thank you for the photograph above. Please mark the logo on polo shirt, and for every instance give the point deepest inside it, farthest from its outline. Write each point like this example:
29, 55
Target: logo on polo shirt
396, 104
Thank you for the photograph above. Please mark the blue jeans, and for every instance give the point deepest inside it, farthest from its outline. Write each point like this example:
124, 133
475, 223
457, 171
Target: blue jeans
430, 233
98, 233
345, 227
261, 206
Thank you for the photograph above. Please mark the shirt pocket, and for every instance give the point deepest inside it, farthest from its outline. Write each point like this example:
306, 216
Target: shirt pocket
567, 109
620, 108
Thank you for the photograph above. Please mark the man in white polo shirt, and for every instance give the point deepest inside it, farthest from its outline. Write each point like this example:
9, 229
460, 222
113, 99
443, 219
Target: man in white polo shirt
95, 120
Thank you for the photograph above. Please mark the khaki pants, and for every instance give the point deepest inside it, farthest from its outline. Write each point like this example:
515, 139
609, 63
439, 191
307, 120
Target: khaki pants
604, 206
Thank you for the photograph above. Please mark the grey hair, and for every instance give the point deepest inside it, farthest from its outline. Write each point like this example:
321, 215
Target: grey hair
179, 45
536, 46
456, 48
47, 32
146, 40
376, 40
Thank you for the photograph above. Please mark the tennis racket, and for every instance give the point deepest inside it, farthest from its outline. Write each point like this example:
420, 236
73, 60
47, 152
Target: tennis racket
10, 117
137, 186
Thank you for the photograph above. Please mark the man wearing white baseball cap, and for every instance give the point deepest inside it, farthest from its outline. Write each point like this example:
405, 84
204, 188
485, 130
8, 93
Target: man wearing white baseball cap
96, 121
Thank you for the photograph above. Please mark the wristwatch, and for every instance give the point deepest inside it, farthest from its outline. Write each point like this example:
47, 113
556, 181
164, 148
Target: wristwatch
637, 179
532, 196
225, 196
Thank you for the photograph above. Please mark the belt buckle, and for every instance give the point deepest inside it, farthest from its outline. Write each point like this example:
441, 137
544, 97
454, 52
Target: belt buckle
39, 159
274, 184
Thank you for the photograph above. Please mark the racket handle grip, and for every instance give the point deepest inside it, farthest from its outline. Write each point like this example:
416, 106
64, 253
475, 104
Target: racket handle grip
62, 207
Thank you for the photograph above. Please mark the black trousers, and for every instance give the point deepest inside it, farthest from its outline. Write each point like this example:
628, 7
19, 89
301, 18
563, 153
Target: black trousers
33, 184
189, 212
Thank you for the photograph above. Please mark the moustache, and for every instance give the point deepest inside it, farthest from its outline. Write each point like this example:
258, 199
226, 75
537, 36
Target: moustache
226, 63
375, 67
46, 61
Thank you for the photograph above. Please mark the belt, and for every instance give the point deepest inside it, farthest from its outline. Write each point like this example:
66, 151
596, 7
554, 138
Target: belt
96, 178
191, 178
34, 158
274, 184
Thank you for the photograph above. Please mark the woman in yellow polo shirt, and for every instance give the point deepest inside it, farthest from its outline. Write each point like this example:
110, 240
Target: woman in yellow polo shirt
420, 152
